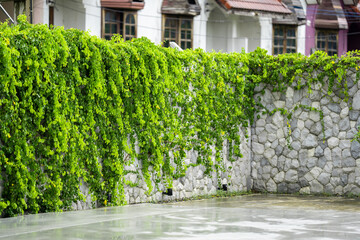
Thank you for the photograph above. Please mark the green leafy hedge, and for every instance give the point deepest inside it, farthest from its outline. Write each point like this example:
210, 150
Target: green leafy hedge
73, 107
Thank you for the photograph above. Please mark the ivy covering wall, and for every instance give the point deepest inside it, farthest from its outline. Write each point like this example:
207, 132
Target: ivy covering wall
75, 108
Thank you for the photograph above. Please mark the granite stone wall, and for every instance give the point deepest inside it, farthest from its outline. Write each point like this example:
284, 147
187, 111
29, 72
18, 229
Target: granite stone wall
311, 152
236, 176
308, 153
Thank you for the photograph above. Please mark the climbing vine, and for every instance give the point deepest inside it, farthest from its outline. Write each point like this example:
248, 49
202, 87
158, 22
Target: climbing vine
76, 109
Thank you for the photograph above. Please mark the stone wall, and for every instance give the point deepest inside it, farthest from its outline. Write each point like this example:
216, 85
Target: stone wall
236, 176
305, 153
317, 155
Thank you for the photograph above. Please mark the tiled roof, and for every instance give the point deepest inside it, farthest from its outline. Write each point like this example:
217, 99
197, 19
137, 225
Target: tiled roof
271, 6
128, 4
298, 16
187, 7
336, 20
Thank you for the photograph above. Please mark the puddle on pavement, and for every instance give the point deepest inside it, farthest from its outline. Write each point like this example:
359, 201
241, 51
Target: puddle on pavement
256, 216
279, 200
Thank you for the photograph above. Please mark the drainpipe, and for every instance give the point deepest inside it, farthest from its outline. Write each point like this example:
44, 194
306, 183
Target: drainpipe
31, 11
6, 13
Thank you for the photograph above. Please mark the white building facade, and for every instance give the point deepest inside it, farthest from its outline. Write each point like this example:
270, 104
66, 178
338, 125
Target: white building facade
213, 25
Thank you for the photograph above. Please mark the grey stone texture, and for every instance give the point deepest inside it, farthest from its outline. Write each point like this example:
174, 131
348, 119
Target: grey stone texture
319, 156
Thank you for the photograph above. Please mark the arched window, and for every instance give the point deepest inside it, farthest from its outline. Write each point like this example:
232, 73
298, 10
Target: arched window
130, 27
179, 30
118, 21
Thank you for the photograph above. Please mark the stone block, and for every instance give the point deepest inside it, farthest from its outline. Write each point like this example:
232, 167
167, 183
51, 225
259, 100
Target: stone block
309, 123
278, 118
300, 124
271, 128
315, 172
263, 137
274, 144
291, 176
328, 167
355, 149
335, 181
316, 128
339, 190
314, 116
260, 123
311, 162
293, 154
343, 179
351, 133
310, 141
319, 152
280, 133
328, 123
296, 134
303, 157
346, 153
316, 187
335, 118
293, 188
327, 154
258, 148
354, 115
348, 162
345, 144
329, 189
271, 186
324, 178
282, 188
344, 124
294, 164
335, 107
342, 135
356, 101
321, 162
344, 112
279, 177
272, 137
289, 92
333, 142
278, 150
296, 145
305, 190
304, 116
273, 172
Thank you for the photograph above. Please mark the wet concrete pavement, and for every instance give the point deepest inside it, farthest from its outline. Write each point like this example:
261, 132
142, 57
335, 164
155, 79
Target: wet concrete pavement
243, 217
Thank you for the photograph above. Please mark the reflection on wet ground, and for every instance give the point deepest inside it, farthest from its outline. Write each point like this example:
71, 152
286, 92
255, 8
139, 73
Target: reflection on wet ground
244, 217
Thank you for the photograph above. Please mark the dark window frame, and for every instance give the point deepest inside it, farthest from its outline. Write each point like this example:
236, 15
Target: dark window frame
119, 25
327, 41
175, 29
285, 46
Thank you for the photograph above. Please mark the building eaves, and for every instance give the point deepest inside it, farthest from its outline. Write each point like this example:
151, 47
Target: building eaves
266, 6
126, 4
181, 7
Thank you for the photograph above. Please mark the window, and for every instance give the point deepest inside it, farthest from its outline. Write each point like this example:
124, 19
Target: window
326, 41
119, 22
179, 30
284, 39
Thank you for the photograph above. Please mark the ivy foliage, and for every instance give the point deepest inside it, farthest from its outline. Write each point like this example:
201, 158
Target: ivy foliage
77, 109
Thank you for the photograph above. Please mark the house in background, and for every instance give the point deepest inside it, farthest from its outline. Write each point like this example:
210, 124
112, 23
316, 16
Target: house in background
332, 26
234, 25
221, 25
